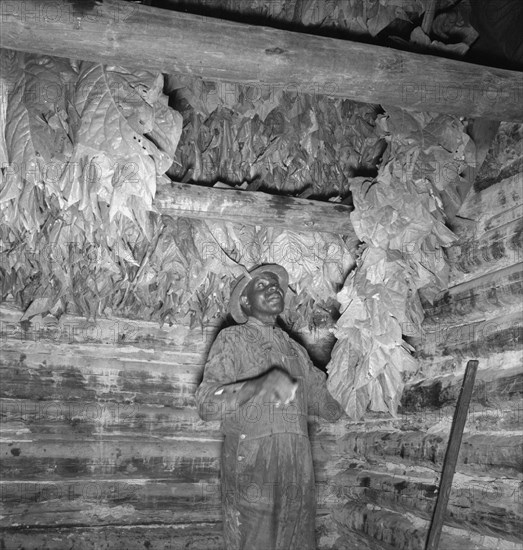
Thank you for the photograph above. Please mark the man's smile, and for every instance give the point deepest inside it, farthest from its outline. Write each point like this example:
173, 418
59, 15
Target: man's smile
264, 298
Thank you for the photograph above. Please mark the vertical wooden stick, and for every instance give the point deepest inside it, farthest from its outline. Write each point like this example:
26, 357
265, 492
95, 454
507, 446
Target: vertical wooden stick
451, 456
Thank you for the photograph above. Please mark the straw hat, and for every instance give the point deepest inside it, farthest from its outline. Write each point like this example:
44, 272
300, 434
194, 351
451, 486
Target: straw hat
234, 305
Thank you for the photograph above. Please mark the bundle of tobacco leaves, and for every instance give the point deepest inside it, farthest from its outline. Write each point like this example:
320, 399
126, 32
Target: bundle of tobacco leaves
83, 147
287, 141
399, 216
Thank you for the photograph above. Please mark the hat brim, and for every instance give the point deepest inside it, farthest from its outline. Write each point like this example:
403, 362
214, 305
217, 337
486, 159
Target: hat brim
234, 304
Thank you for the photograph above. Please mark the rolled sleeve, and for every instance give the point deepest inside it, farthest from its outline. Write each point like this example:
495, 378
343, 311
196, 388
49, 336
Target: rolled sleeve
320, 401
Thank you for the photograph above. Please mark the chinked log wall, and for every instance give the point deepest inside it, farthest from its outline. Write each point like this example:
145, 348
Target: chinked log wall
393, 479
101, 444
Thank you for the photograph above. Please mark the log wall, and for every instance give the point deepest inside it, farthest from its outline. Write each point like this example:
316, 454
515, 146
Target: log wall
101, 445
392, 480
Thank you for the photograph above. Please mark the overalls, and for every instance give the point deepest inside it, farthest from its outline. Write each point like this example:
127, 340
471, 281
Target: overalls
268, 488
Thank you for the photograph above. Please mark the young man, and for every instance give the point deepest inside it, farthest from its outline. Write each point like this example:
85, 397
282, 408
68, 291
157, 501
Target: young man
262, 385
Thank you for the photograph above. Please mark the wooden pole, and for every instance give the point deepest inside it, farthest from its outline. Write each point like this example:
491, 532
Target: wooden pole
451, 456
255, 208
268, 59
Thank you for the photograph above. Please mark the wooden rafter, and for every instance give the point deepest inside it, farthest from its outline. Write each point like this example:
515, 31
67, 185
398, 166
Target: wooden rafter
255, 208
129, 34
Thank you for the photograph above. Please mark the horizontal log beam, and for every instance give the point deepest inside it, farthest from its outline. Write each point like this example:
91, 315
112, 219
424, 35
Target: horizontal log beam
480, 338
479, 298
120, 333
53, 417
389, 530
197, 536
480, 504
20, 381
135, 35
495, 205
254, 208
180, 459
178, 469
494, 387
153, 501
492, 251
141, 501
480, 453
206, 535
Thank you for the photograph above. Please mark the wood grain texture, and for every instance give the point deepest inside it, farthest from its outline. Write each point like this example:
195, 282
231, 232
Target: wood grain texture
198, 536
472, 299
498, 204
254, 208
120, 32
120, 333
481, 504
205, 535
493, 250
391, 530
483, 337
481, 452
494, 386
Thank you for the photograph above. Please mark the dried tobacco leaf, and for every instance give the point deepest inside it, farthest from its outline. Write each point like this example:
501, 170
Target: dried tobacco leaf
385, 14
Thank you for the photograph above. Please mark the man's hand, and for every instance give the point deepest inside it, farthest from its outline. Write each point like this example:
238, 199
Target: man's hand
278, 387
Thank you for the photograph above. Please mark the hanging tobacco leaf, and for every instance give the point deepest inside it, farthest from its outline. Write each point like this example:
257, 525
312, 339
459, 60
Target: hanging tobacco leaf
399, 216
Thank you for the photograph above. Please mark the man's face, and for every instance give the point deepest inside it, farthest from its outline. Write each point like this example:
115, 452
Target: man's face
263, 297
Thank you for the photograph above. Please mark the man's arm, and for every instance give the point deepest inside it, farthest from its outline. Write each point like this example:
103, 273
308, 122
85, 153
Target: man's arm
220, 369
276, 384
221, 393
241, 391
320, 401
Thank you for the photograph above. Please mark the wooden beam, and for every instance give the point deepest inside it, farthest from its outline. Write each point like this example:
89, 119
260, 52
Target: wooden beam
500, 453
478, 298
384, 529
203, 535
451, 457
135, 35
254, 208
497, 392
493, 514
